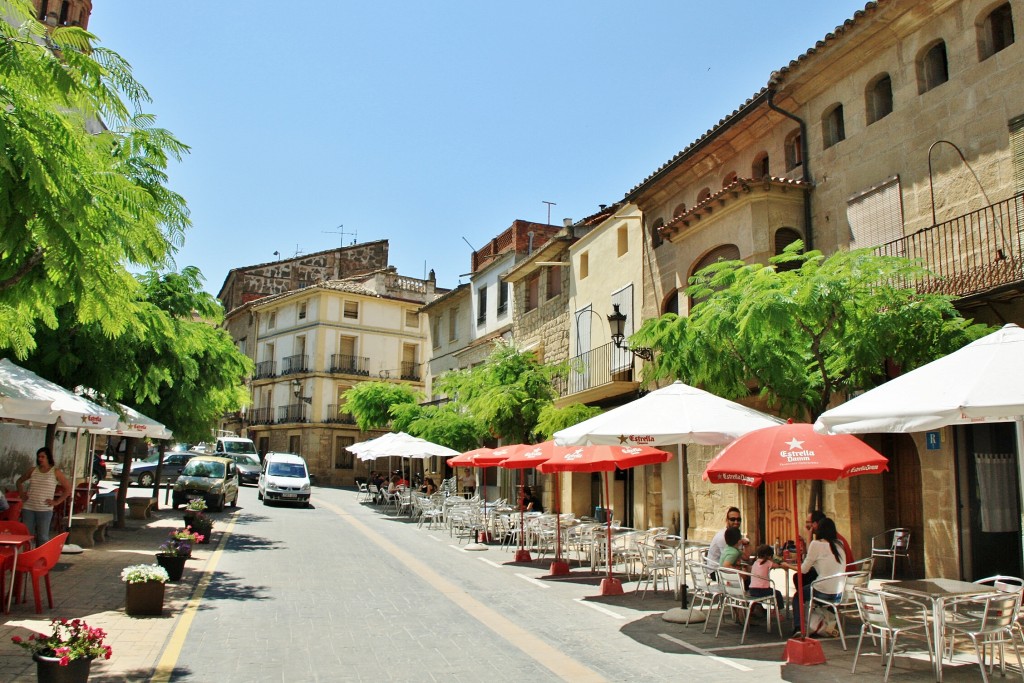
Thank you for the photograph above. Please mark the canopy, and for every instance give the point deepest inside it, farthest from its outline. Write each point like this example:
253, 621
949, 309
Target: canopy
674, 414
469, 458
134, 424
27, 397
399, 444
981, 382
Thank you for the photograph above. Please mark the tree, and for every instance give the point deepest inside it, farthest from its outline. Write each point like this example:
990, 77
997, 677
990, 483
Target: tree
370, 403
506, 392
554, 419
446, 425
83, 199
801, 335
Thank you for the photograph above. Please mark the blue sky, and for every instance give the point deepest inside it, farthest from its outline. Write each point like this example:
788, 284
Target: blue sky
431, 124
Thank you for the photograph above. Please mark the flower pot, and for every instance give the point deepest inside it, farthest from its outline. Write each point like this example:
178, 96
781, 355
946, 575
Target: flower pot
144, 599
49, 670
174, 564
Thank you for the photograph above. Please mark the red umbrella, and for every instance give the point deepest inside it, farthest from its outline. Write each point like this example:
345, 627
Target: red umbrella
468, 459
604, 458
790, 452
521, 457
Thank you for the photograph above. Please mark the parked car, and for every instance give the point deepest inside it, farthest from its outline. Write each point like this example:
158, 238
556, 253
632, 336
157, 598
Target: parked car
210, 477
248, 468
143, 472
284, 478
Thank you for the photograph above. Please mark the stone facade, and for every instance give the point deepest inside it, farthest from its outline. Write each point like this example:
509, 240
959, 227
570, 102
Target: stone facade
63, 12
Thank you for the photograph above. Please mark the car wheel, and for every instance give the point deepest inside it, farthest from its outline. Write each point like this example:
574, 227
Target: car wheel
265, 501
259, 494
145, 479
234, 501
219, 507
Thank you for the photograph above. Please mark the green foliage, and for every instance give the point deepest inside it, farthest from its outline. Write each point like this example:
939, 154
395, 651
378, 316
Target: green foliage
83, 196
371, 403
801, 336
506, 392
445, 424
554, 419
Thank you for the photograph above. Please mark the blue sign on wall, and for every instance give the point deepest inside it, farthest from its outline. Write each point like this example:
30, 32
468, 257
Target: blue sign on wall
933, 440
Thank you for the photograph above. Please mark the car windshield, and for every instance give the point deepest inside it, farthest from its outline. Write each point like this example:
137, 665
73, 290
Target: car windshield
245, 460
237, 447
204, 468
151, 459
286, 469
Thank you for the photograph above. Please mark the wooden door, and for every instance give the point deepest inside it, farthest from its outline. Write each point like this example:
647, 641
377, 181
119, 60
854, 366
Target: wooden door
902, 499
778, 511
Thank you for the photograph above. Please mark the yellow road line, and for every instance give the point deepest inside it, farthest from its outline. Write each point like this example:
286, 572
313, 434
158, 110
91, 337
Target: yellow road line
165, 667
564, 667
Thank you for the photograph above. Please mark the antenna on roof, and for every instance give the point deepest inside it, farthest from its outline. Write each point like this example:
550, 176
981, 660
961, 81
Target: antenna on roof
550, 204
298, 252
470, 245
341, 233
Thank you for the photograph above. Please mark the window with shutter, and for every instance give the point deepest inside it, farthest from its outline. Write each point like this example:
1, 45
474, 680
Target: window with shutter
875, 215
1017, 151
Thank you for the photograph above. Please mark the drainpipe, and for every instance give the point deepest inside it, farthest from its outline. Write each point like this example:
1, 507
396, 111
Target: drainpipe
806, 163
529, 248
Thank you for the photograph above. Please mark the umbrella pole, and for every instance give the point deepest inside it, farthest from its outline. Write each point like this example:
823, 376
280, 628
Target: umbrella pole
683, 523
558, 567
609, 585
522, 555
74, 477
802, 650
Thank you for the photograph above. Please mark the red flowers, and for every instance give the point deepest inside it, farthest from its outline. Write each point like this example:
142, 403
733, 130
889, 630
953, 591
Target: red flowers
70, 640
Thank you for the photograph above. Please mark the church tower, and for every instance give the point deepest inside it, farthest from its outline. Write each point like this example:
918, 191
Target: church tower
63, 12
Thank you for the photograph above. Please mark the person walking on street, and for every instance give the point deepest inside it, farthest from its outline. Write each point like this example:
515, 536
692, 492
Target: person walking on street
43, 480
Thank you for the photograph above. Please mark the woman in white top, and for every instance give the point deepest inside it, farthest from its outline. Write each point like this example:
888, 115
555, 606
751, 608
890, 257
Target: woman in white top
43, 479
826, 556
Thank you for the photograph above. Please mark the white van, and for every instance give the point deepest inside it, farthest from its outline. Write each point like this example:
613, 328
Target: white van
284, 478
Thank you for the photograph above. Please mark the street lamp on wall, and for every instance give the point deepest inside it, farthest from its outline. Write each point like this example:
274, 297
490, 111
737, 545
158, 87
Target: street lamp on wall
297, 390
617, 322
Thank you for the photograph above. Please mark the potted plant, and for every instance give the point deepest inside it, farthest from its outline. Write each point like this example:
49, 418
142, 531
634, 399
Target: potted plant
197, 519
144, 589
67, 653
176, 550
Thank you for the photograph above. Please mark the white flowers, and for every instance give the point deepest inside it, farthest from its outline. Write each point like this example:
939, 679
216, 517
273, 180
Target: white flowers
141, 573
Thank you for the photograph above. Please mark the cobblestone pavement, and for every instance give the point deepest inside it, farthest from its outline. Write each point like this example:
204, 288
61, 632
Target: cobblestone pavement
344, 592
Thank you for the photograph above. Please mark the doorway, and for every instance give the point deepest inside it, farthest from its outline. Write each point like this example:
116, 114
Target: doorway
991, 530
901, 491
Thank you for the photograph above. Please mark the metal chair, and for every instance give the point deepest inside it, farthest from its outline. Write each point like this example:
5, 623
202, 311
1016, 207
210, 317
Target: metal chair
705, 591
989, 621
847, 604
886, 617
656, 562
891, 544
735, 596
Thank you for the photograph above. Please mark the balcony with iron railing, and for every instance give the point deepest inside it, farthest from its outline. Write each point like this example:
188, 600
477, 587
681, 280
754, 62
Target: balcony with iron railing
264, 369
292, 364
349, 365
410, 371
336, 416
261, 416
600, 367
971, 254
295, 412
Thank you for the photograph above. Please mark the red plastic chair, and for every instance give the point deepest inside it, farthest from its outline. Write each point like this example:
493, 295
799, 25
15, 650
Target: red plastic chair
13, 511
7, 552
38, 563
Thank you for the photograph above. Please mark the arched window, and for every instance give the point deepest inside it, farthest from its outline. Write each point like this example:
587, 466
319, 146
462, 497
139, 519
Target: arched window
783, 238
995, 31
879, 98
703, 194
759, 169
932, 67
671, 303
794, 150
656, 238
725, 252
729, 179
833, 128
679, 210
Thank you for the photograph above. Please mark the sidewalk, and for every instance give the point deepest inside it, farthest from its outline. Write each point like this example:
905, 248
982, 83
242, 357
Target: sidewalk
88, 586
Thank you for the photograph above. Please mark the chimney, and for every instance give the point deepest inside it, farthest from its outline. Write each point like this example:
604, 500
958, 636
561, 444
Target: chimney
567, 222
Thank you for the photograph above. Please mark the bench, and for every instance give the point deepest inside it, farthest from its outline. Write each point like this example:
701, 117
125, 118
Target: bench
138, 508
89, 528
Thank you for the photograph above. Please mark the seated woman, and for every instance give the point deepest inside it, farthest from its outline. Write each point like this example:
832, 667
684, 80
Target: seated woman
531, 503
825, 554
429, 487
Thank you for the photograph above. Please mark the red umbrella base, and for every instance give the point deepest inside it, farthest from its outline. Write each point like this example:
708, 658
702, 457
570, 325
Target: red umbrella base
523, 555
612, 586
803, 651
559, 568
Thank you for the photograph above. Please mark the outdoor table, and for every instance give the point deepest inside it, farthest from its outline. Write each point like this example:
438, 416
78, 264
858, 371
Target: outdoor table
15, 541
935, 592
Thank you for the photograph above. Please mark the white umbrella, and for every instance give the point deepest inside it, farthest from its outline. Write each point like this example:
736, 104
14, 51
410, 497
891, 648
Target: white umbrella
981, 382
134, 424
674, 415
27, 397
401, 445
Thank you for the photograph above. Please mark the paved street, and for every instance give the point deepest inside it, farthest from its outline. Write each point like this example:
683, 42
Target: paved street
344, 592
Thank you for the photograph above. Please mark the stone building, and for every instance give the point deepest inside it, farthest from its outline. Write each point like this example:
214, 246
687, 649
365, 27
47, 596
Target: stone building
63, 12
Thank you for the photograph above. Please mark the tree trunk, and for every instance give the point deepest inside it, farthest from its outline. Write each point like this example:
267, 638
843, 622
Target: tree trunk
159, 478
122, 486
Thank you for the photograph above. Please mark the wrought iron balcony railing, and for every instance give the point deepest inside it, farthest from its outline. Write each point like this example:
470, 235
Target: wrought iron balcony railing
338, 416
349, 365
410, 371
603, 365
261, 416
295, 412
264, 369
293, 364
974, 253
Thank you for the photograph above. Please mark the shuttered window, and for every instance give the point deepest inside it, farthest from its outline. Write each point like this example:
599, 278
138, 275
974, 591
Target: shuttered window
875, 215
1017, 150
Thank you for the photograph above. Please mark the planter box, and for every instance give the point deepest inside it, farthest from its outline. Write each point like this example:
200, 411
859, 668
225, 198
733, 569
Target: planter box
144, 599
49, 670
174, 564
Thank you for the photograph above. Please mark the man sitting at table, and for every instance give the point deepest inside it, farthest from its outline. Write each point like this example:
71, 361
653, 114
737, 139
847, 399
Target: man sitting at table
718, 543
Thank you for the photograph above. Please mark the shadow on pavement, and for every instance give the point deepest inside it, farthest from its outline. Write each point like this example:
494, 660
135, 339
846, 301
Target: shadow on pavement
228, 587
249, 543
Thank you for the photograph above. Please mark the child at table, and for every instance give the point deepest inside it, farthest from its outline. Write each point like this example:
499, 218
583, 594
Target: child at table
760, 586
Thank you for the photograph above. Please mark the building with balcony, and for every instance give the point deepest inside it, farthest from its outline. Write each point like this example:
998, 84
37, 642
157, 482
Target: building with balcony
313, 344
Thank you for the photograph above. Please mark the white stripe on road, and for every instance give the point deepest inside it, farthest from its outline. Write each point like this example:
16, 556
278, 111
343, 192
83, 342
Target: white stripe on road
490, 562
694, 648
532, 580
600, 609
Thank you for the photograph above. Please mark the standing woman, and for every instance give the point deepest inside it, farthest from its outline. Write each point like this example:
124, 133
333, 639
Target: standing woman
43, 479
